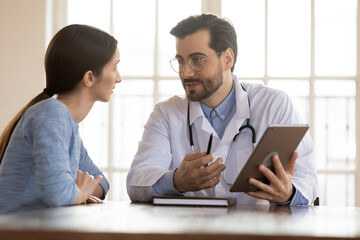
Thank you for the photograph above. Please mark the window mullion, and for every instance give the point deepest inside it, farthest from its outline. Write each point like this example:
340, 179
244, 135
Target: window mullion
266, 42
156, 54
312, 72
357, 117
211, 6
110, 121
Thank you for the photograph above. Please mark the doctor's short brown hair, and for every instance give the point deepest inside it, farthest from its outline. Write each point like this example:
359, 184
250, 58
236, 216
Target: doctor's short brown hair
222, 32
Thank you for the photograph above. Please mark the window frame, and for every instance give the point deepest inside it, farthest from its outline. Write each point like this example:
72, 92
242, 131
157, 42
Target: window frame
59, 18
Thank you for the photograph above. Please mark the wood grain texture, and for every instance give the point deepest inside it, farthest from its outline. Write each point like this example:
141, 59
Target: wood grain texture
124, 220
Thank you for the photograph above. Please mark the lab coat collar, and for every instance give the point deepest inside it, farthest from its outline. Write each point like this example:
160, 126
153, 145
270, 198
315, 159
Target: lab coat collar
242, 102
242, 111
196, 113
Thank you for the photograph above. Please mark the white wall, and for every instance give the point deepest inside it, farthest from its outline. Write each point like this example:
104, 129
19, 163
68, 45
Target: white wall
22, 48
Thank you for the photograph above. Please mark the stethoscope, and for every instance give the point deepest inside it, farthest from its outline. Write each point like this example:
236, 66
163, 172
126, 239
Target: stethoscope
247, 125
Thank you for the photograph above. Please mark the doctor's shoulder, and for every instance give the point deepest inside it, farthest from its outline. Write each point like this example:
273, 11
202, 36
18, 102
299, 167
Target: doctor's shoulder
175, 104
259, 93
166, 111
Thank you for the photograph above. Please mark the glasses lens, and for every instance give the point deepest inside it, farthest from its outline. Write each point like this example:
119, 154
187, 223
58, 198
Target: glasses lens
196, 63
175, 65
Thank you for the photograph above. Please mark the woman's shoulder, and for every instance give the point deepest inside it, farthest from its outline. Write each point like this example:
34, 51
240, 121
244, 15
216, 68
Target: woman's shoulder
49, 110
50, 103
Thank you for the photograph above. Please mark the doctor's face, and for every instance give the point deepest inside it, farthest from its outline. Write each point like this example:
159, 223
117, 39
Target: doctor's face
203, 83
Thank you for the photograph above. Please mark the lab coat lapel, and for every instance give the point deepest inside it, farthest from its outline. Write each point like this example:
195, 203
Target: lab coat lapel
198, 118
241, 114
201, 127
236, 162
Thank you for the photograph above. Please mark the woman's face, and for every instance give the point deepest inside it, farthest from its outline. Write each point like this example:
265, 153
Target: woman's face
105, 83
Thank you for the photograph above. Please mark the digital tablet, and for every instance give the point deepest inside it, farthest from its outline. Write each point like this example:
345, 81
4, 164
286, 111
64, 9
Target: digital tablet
277, 139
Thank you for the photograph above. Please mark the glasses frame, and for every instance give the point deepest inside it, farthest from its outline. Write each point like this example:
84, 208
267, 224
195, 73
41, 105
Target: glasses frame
189, 63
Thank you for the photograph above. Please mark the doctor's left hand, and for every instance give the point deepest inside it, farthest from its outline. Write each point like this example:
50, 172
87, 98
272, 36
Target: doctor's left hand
280, 188
193, 175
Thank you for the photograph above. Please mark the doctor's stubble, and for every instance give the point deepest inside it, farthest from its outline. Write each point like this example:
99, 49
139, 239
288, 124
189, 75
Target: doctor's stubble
210, 85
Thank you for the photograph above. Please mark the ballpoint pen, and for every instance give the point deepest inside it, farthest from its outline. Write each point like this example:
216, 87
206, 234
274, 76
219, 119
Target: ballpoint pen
209, 146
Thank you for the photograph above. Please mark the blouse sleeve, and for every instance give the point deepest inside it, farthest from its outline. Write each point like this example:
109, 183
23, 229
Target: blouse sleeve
50, 133
87, 165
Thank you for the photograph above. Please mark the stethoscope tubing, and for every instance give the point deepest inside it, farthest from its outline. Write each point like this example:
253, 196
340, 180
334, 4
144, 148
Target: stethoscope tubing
247, 125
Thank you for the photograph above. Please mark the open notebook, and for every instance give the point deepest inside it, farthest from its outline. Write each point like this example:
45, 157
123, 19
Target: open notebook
193, 201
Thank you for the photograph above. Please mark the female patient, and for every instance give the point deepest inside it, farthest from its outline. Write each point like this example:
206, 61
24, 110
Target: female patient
43, 160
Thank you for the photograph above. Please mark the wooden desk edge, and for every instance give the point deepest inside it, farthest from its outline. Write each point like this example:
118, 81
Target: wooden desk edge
60, 235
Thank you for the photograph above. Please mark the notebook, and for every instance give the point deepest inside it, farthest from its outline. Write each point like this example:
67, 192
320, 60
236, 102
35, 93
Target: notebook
193, 201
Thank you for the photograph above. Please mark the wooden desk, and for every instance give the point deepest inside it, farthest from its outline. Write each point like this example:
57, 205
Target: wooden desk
124, 220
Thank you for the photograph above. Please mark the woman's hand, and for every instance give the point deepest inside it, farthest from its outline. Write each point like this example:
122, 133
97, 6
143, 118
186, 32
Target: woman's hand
93, 199
86, 185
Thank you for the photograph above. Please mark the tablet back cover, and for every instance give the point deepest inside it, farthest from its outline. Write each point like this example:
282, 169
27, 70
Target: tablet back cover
282, 139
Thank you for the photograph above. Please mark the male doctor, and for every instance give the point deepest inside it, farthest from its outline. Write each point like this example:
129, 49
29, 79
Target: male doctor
216, 103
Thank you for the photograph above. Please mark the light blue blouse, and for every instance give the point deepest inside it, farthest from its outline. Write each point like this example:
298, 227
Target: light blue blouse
40, 164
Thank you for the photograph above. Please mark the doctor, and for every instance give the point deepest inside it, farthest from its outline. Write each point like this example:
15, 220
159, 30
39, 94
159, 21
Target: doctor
216, 103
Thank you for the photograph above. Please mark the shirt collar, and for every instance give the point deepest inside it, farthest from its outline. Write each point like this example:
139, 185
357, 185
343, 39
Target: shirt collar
224, 108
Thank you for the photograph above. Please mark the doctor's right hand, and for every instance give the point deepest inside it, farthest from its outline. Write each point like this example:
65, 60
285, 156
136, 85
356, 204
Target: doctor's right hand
193, 175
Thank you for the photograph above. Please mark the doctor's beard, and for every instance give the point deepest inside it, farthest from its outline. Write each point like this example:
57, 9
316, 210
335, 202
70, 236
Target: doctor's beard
210, 85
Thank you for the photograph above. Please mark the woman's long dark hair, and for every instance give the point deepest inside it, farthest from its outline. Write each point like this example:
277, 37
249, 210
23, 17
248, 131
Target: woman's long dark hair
72, 52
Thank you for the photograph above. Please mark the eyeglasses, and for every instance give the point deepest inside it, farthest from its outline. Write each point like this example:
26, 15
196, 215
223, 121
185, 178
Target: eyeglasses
196, 63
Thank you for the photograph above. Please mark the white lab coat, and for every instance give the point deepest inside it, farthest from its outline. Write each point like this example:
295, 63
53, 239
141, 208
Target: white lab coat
165, 142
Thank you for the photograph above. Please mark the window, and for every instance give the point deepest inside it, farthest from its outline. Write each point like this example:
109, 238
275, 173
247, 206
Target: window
145, 49
307, 48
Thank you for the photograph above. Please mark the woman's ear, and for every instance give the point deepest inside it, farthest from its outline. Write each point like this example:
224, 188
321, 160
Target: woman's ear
229, 58
89, 78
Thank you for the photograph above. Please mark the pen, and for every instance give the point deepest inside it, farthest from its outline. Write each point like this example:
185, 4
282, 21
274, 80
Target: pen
209, 146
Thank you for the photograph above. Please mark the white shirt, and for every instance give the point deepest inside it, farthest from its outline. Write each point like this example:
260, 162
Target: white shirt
165, 143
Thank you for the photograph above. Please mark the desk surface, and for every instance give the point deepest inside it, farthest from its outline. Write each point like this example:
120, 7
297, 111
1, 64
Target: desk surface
124, 220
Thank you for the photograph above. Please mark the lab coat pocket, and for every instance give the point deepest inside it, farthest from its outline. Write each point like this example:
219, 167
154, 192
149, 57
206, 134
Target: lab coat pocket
236, 163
